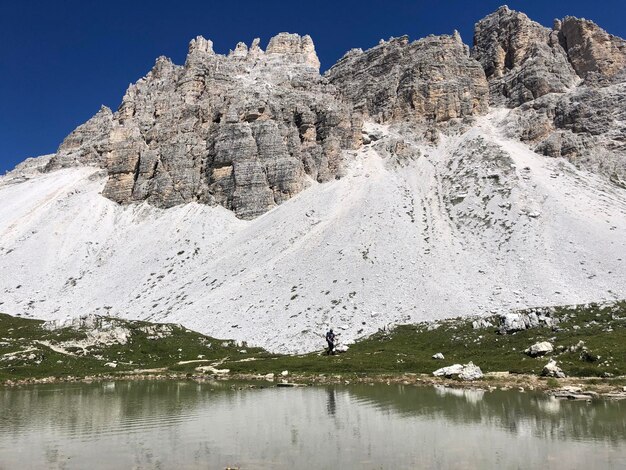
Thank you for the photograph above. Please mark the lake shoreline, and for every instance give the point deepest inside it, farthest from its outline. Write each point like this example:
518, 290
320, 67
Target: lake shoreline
584, 346
582, 388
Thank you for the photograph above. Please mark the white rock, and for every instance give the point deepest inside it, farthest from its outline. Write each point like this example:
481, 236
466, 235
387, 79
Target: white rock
471, 372
468, 371
438, 356
552, 370
113, 365
481, 323
540, 349
284, 373
212, 370
449, 371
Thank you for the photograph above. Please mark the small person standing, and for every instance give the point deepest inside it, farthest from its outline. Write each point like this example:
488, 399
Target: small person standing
330, 339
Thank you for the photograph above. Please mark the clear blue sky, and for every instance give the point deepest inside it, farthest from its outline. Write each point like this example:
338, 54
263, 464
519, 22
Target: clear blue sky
60, 60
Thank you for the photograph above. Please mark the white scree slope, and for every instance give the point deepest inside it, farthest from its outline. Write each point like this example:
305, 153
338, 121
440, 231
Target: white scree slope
477, 224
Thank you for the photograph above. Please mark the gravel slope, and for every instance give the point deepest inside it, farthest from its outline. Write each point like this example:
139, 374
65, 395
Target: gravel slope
475, 225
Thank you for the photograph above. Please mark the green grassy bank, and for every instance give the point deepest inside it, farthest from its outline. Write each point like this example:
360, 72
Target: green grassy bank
27, 350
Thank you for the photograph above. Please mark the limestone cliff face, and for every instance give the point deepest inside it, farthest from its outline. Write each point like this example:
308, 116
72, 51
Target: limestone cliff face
429, 80
246, 131
522, 59
593, 52
566, 85
251, 129
87, 144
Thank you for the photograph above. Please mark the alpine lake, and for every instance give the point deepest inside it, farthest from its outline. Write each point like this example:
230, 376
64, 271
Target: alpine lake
224, 424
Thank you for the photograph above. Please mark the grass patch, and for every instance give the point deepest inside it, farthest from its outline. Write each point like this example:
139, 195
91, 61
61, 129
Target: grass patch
23, 356
409, 348
405, 349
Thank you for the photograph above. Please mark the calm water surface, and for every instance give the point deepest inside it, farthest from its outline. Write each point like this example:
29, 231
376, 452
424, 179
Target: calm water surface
180, 425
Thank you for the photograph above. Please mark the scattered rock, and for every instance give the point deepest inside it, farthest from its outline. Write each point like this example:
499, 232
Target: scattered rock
212, 370
552, 370
523, 320
471, 372
577, 347
438, 356
468, 371
540, 349
574, 393
481, 323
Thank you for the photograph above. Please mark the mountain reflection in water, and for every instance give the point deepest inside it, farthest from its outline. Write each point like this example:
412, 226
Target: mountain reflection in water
189, 425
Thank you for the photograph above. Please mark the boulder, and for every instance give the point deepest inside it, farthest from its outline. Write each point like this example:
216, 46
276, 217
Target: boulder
468, 371
449, 371
551, 369
471, 372
438, 356
540, 349
523, 320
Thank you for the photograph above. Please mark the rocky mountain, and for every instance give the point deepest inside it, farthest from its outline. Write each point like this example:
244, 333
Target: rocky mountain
247, 131
429, 80
248, 196
250, 129
566, 86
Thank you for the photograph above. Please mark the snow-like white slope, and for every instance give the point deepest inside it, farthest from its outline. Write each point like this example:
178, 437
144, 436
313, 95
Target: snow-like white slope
477, 224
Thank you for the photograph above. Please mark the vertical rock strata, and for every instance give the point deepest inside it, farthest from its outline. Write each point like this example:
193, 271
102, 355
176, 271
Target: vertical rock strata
246, 131
251, 129
566, 85
429, 80
522, 59
591, 50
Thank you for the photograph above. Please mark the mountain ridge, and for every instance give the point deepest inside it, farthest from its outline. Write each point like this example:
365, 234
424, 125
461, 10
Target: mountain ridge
170, 140
247, 196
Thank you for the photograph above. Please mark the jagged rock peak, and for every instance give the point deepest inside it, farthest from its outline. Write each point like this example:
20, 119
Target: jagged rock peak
432, 79
87, 144
297, 48
248, 130
522, 59
566, 83
162, 66
200, 44
288, 47
591, 50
